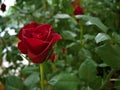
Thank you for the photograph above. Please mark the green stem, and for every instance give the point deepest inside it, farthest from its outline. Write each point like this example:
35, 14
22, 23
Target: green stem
107, 79
41, 76
53, 68
44, 5
44, 10
81, 33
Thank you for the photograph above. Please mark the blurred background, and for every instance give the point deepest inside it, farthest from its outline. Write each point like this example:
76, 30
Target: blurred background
76, 67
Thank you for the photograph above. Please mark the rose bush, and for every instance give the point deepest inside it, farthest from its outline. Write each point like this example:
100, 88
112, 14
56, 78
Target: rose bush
37, 41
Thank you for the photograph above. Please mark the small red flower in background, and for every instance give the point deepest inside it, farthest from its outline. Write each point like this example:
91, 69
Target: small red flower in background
53, 57
3, 7
37, 41
78, 11
64, 51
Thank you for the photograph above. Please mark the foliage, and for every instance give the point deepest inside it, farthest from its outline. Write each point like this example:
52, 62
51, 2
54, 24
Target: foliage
88, 59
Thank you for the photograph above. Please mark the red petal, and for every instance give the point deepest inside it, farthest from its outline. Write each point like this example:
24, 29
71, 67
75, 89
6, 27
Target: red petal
39, 58
27, 28
31, 25
78, 11
43, 28
20, 34
35, 45
56, 37
22, 47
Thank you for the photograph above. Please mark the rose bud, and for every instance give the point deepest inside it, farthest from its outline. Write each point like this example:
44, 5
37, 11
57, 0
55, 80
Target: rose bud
78, 11
3, 7
53, 57
37, 40
64, 50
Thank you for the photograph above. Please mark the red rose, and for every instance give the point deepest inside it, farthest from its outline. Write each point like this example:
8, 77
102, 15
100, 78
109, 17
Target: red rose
78, 11
53, 57
3, 7
37, 40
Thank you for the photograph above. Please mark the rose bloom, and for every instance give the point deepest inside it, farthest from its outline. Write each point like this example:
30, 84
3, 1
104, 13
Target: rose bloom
37, 41
78, 11
3, 7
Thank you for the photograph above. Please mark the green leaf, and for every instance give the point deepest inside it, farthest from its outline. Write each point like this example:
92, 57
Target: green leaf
110, 54
93, 21
35, 88
86, 88
88, 37
32, 80
18, 57
62, 16
87, 71
13, 83
103, 65
68, 35
101, 37
95, 85
29, 69
84, 54
116, 37
65, 81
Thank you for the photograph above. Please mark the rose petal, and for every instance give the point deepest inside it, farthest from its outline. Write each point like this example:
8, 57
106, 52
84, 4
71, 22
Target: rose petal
44, 31
37, 58
27, 33
27, 29
20, 34
42, 56
78, 11
22, 47
56, 37
43, 28
36, 45
31, 25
